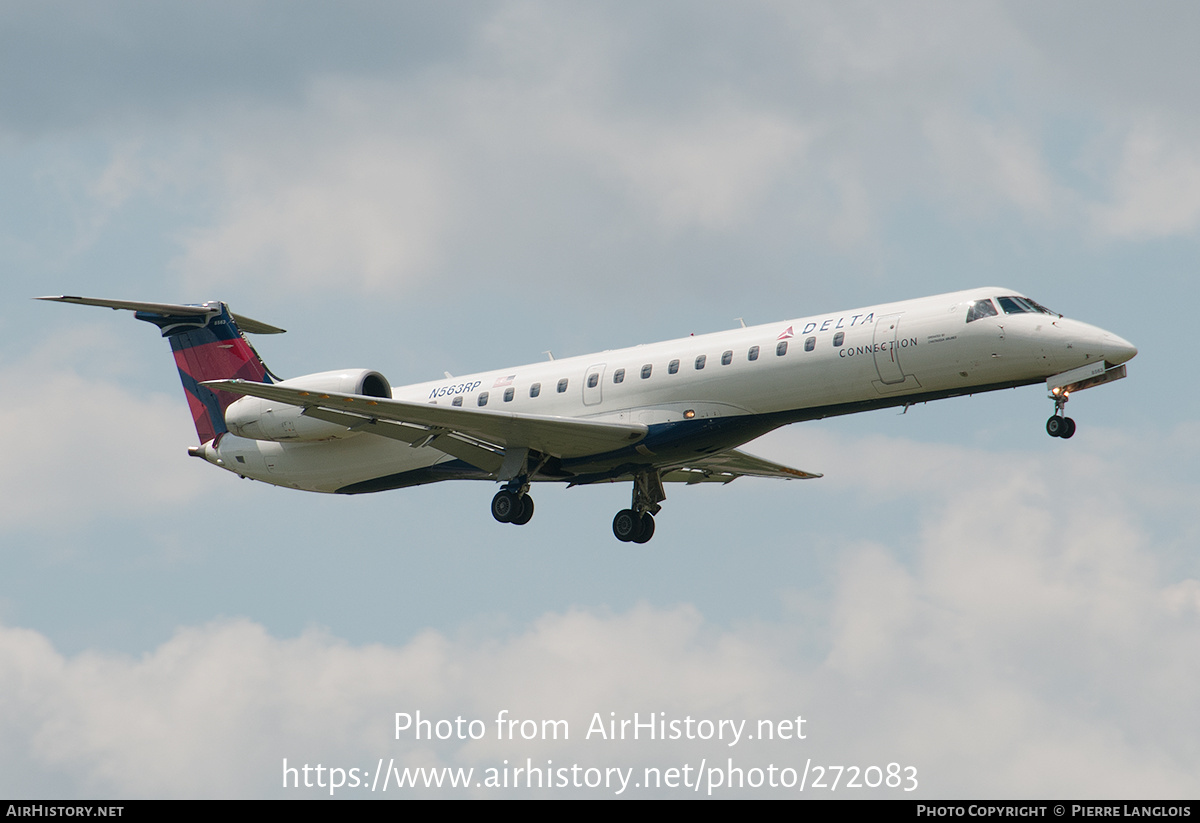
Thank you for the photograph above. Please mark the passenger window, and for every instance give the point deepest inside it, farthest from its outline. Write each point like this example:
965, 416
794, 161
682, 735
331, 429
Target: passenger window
673, 367
508, 394
562, 385
619, 375
810, 344
456, 401
535, 389
980, 309
700, 361
593, 379
483, 398
839, 338
727, 358
646, 371
752, 355
781, 349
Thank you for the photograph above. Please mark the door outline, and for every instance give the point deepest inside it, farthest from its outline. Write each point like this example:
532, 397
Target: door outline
887, 355
592, 395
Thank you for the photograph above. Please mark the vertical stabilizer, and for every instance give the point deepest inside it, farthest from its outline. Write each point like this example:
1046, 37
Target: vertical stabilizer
208, 348
208, 345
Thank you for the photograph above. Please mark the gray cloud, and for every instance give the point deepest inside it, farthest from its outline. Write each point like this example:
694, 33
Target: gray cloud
68, 67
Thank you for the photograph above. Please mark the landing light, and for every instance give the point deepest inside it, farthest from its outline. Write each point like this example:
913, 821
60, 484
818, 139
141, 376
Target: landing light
689, 414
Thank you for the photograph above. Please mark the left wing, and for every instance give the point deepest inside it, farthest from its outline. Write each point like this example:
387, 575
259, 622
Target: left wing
482, 437
475, 435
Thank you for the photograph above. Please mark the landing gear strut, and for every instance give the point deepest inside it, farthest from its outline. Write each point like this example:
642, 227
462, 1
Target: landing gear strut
636, 524
512, 504
1059, 425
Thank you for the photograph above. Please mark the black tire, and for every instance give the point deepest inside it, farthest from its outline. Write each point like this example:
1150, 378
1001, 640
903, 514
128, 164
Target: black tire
505, 506
647, 529
1068, 428
627, 525
526, 511
1055, 426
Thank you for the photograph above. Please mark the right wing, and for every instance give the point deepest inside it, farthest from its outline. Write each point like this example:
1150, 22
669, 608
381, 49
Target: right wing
729, 466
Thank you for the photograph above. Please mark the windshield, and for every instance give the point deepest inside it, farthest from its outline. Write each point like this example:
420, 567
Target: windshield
1023, 305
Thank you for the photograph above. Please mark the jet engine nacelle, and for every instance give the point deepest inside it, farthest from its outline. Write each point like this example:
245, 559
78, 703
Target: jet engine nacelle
258, 419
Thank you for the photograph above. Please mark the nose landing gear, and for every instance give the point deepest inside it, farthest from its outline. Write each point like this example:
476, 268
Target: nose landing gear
1059, 425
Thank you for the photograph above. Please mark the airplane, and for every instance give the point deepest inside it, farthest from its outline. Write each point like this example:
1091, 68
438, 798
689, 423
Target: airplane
675, 411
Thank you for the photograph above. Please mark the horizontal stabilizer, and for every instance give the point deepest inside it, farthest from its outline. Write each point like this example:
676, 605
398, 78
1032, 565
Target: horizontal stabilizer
244, 323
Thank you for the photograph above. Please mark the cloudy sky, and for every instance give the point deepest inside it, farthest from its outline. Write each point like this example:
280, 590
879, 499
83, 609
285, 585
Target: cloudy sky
429, 187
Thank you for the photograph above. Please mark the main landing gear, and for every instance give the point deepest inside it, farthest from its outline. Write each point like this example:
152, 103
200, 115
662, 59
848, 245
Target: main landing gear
512, 506
636, 524
1059, 425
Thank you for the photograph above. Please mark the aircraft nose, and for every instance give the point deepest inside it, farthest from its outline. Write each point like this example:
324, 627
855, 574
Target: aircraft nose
1117, 350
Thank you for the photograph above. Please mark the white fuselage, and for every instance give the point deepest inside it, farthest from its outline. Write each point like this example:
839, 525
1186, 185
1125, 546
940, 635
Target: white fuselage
741, 382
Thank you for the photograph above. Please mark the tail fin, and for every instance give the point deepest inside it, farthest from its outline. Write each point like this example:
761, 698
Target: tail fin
208, 345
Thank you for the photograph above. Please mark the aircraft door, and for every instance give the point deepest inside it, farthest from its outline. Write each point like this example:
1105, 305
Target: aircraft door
887, 354
593, 384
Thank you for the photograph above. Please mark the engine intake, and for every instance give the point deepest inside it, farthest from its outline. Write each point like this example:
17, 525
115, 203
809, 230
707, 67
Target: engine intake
258, 419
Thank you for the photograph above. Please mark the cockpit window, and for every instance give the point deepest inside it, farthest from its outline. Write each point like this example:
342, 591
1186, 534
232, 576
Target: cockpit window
1014, 305
1040, 307
1022, 305
980, 309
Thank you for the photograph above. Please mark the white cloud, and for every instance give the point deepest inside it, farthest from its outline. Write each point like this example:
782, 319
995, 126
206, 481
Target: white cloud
1026, 644
80, 446
1155, 187
914, 676
336, 193
710, 173
981, 163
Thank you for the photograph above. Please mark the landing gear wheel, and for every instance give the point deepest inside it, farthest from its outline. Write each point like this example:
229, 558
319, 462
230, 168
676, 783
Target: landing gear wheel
526, 511
1063, 427
507, 506
647, 530
627, 525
